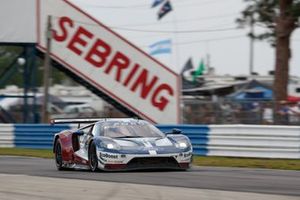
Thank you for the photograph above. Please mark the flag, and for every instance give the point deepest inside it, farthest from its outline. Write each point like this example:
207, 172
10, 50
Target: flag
166, 8
199, 71
161, 47
188, 65
156, 3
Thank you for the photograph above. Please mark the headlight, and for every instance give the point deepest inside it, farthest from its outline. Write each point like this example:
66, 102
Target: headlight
112, 146
181, 145
109, 144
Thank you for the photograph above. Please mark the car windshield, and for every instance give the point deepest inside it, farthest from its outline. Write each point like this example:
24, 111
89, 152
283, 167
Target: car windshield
131, 130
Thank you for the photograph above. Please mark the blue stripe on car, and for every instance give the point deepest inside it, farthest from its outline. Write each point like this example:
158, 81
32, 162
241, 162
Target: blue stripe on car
198, 135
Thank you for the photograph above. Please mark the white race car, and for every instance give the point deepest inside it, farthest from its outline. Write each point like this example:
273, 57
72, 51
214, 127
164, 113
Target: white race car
120, 144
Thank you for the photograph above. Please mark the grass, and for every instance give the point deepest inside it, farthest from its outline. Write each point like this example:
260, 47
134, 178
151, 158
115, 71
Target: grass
286, 164
40, 153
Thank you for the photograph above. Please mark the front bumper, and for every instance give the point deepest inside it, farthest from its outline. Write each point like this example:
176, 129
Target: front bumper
112, 161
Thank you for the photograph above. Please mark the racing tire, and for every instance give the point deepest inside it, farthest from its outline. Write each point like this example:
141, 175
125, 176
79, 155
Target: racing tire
58, 156
93, 160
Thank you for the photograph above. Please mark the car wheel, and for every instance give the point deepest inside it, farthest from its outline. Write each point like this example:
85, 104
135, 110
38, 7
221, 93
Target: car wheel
93, 160
58, 156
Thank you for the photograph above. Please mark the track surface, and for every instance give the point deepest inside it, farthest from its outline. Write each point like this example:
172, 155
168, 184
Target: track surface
216, 178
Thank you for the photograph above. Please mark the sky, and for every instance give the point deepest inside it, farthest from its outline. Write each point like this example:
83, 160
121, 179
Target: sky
199, 29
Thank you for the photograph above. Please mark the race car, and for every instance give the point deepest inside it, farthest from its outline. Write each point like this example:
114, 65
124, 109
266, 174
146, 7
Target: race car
119, 144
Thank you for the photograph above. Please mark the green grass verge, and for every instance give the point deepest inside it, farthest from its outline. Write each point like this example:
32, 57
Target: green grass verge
287, 164
40, 153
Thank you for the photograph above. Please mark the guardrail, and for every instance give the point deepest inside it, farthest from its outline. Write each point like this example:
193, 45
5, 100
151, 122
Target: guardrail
213, 140
254, 141
36, 136
7, 135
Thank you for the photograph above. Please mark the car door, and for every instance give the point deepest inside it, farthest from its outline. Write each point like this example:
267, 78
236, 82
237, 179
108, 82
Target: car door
81, 156
86, 137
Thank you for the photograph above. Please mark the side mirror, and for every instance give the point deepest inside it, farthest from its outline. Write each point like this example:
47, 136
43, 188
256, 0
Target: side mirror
176, 131
79, 132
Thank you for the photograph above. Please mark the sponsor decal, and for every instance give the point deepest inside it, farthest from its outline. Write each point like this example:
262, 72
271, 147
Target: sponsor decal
116, 162
101, 160
107, 155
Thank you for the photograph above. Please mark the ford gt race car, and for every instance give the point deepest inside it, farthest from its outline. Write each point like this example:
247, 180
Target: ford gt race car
120, 144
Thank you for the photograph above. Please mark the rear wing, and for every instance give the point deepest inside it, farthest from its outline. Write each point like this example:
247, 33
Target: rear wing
70, 120
84, 121
75, 121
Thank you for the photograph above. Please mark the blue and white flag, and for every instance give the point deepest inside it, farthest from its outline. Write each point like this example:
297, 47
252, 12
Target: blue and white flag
161, 47
156, 3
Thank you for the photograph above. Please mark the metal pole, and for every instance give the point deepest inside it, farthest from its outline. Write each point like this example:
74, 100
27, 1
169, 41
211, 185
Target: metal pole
25, 85
33, 74
251, 56
45, 114
208, 64
176, 63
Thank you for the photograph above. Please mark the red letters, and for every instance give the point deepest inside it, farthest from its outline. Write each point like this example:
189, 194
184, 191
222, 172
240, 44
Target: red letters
63, 21
137, 80
142, 80
98, 53
132, 72
162, 101
78, 39
121, 62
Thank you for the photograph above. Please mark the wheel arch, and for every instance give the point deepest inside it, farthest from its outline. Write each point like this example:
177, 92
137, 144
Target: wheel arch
54, 143
90, 142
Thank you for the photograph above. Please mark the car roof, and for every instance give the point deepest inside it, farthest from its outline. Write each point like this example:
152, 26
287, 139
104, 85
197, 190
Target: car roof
116, 120
129, 120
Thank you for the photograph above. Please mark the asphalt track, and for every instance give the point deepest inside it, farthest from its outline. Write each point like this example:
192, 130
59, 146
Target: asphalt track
278, 182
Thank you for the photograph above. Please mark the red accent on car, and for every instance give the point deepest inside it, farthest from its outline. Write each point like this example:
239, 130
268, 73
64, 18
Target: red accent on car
79, 160
184, 165
115, 166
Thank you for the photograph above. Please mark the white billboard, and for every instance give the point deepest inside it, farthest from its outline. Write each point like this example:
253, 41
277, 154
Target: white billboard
109, 62
18, 21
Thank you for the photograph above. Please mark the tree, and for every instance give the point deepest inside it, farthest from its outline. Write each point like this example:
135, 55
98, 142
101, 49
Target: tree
279, 18
9, 53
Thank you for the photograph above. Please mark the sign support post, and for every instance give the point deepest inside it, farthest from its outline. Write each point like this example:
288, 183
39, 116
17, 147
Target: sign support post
45, 112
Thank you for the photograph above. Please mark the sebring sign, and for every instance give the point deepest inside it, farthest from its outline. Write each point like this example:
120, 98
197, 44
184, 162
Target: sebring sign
102, 55
109, 62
